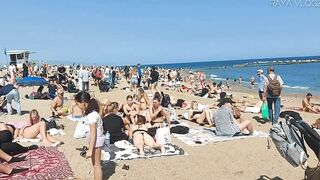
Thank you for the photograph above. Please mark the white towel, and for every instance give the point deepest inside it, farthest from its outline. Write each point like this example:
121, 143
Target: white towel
26, 140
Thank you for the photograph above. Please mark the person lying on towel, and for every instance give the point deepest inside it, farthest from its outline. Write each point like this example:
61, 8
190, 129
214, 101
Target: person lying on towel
200, 116
141, 137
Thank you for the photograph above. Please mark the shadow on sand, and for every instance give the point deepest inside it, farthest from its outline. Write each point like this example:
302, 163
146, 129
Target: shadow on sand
260, 120
265, 177
108, 168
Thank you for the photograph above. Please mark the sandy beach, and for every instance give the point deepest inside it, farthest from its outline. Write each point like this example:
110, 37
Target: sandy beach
237, 159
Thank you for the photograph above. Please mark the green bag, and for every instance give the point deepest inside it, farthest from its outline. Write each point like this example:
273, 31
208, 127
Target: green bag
265, 111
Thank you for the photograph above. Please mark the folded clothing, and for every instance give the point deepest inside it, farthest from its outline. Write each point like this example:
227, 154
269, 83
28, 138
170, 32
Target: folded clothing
179, 129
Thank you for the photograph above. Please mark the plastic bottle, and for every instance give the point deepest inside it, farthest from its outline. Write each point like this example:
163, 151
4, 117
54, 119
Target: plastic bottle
107, 139
171, 113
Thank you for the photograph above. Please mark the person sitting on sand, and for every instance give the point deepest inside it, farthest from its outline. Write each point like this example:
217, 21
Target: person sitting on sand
57, 105
35, 128
157, 112
143, 109
71, 87
76, 111
130, 110
226, 124
141, 136
200, 116
115, 125
307, 106
142, 95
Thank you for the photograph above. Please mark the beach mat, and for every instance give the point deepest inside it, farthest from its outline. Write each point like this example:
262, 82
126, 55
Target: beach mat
129, 152
45, 163
203, 136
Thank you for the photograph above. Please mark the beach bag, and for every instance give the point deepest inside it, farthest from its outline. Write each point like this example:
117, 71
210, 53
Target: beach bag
274, 87
312, 173
163, 135
80, 131
288, 143
50, 123
265, 111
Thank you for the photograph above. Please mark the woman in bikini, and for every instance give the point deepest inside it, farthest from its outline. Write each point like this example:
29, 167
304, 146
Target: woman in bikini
143, 109
37, 128
141, 95
130, 110
141, 137
200, 116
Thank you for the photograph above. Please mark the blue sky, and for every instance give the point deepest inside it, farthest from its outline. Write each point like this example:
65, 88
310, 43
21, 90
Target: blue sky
123, 32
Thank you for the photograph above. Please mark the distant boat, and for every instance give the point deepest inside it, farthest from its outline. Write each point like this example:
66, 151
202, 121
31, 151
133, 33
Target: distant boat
213, 76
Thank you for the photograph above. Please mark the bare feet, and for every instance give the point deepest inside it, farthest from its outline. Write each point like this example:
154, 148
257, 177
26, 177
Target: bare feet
141, 152
163, 150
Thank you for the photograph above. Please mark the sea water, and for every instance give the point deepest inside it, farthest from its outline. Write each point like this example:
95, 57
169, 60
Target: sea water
298, 78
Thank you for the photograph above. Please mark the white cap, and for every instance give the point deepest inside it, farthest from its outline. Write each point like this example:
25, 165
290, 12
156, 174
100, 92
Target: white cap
260, 70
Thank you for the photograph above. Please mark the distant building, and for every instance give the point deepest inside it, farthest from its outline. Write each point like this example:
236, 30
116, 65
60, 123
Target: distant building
18, 57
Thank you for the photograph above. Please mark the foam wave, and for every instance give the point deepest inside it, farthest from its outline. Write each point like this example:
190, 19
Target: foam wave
220, 79
297, 87
213, 76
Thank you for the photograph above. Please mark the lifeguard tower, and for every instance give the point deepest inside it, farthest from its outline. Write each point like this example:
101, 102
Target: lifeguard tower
18, 57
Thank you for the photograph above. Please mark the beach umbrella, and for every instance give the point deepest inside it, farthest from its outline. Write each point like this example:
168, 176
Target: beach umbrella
32, 81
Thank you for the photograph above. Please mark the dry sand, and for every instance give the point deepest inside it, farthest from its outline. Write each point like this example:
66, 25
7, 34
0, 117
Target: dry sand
238, 159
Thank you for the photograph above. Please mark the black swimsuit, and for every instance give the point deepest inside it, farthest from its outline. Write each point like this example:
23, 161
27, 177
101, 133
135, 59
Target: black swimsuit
140, 130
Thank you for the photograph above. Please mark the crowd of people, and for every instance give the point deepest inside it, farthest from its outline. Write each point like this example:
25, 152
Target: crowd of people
140, 115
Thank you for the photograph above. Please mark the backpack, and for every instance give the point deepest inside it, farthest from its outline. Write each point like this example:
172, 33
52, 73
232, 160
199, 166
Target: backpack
165, 100
104, 86
274, 87
288, 143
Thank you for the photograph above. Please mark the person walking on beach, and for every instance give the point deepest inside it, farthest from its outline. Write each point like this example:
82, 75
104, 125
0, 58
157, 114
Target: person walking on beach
154, 77
261, 79
240, 80
113, 77
11, 93
252, 80
272, 94
85, 75
139, 74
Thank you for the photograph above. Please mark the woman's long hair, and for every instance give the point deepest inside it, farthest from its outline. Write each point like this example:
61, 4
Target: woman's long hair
93, 105
35, 112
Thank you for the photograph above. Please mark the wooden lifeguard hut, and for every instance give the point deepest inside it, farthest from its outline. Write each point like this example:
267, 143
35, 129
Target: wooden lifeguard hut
18, 57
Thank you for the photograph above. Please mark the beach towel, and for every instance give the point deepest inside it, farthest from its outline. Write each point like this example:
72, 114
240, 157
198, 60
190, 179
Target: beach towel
124, 150
26, 140
43, 163
203, 136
